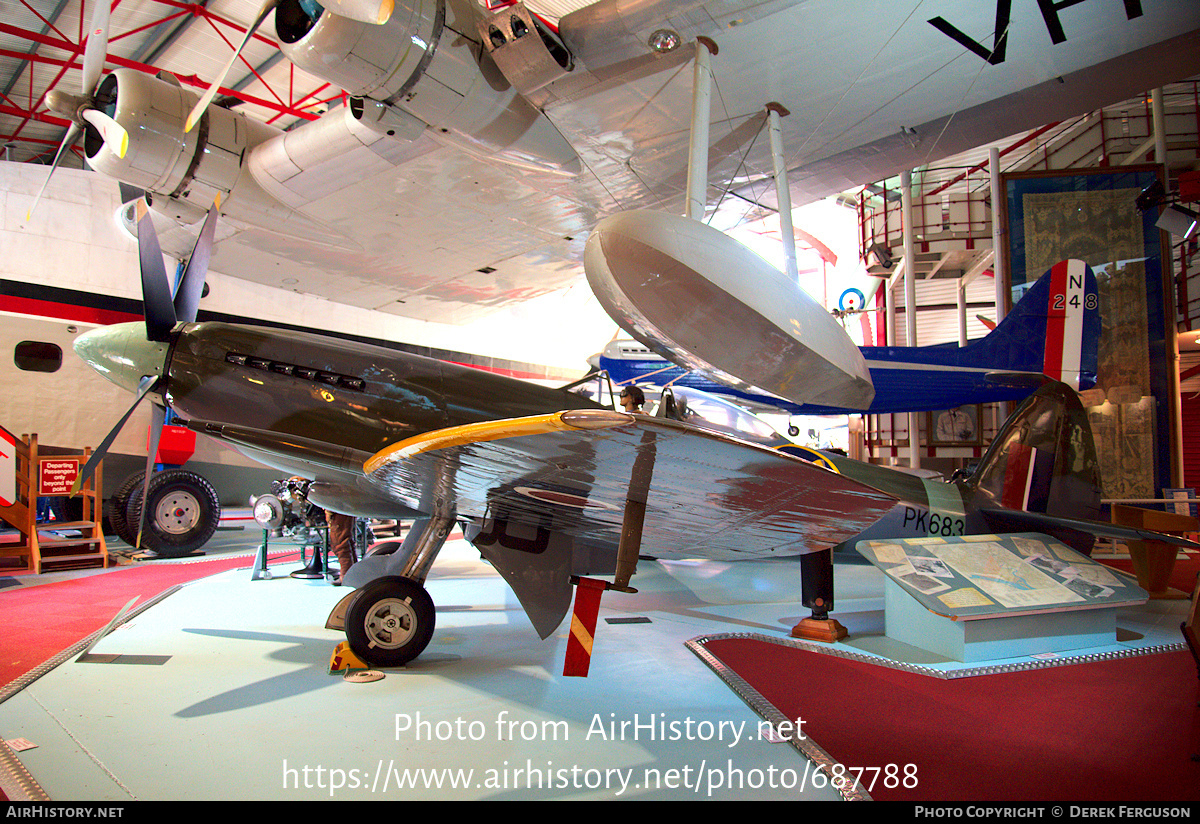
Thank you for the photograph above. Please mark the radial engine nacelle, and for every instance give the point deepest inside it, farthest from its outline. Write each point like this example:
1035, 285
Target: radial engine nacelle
427, 60
185, 171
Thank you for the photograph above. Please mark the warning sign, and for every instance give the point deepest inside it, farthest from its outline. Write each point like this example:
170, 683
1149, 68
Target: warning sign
57, 475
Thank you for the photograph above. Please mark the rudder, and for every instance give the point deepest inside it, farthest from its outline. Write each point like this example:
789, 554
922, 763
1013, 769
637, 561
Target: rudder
1054, 329
1042, 460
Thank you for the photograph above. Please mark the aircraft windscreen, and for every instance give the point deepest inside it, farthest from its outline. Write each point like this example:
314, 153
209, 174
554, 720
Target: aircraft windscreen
708, 411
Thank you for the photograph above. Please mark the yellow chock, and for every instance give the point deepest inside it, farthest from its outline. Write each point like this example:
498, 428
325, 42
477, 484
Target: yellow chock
344, 660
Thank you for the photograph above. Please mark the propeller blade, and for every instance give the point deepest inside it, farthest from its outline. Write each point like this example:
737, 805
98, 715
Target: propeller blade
96, 51
157, 419
68, 140
144, 386
114, 133
156, 289
130, 193
94, 55
376, 12
202, 104
191, 285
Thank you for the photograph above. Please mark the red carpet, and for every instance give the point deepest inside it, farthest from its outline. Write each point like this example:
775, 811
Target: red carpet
41, 621
1116, 730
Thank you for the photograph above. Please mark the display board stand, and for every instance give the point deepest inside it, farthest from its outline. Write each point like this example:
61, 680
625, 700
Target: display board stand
1153, 561
988, 597
52, 545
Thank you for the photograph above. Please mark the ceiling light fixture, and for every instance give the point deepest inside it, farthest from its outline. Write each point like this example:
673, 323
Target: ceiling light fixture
664, 40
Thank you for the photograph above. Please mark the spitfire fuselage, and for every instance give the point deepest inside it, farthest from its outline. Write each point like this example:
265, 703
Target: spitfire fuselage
314, 405
353, 394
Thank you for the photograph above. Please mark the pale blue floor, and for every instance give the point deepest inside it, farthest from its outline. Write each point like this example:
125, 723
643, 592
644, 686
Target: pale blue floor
243, 707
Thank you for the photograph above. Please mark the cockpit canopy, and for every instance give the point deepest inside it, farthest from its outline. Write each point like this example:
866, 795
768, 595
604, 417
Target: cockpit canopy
688, 405
711, 412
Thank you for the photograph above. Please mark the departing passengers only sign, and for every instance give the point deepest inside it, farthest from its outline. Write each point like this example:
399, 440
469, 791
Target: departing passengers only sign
8, 468
56, 476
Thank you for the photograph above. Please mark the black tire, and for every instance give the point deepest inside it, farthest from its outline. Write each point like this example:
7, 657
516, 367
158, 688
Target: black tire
118, 505
390, 621
183, 513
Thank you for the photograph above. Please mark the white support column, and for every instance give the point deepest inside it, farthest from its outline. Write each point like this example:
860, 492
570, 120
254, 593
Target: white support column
697, 177
999, 205
783, 194
961, 293
910, 303
889, 294
1160, 134
910, 259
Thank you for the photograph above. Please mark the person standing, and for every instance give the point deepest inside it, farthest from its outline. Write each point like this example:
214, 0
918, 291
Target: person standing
341, 541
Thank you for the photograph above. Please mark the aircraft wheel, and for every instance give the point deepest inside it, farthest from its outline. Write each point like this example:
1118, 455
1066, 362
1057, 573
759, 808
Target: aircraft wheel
183, 513
118, 505
390, 621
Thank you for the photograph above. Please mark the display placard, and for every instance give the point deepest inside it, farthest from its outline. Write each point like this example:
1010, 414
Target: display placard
8, 468
56, 476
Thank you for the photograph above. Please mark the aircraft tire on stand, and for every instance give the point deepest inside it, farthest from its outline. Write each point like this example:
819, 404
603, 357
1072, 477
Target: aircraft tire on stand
118, 505
183, 514
390, 621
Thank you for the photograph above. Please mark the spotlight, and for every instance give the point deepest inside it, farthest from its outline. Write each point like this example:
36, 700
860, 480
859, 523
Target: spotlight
1178, 220
883, 255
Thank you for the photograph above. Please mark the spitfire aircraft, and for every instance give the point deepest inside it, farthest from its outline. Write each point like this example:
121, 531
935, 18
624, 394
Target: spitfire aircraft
548, 484
493, 142
1052, 333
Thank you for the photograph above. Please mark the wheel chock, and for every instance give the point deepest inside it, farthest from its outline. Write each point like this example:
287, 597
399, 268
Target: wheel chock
344, 660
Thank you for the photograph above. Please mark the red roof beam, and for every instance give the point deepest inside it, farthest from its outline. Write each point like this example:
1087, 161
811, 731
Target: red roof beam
1034, 135
191, 80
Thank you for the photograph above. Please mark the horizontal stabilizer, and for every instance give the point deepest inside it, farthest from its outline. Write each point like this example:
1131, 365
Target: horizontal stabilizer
1011, 520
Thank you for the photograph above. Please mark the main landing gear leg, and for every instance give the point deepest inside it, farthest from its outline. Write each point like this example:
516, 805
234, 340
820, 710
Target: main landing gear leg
390, 620
816, 576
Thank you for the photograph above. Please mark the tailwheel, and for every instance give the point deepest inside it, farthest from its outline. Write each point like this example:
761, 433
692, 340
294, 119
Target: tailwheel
390, 621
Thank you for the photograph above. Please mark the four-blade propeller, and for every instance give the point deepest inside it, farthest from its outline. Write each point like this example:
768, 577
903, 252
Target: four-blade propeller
164, 308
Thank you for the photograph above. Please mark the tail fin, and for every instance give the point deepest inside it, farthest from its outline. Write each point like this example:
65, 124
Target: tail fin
1054, 329
1043, 459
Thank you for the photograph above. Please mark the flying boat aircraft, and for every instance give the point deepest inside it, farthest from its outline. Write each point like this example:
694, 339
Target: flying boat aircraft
549, 485
1052, 333
479, 148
